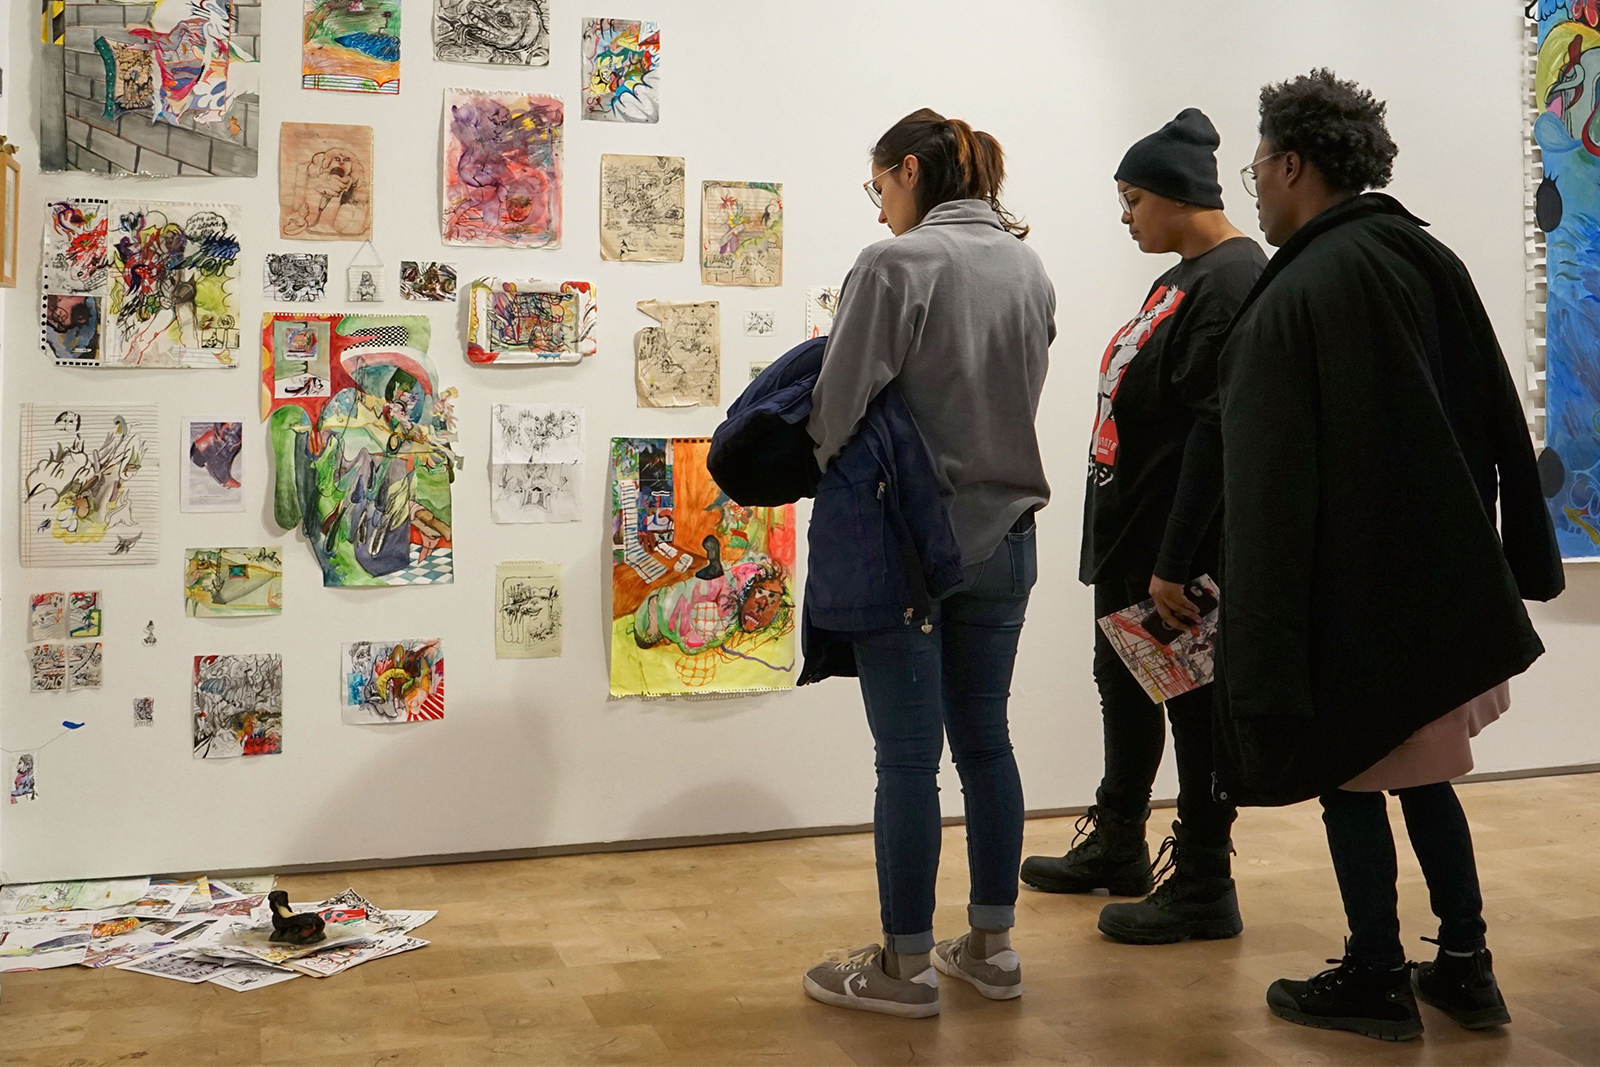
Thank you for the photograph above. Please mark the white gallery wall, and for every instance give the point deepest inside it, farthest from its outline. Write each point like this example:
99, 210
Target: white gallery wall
532, 753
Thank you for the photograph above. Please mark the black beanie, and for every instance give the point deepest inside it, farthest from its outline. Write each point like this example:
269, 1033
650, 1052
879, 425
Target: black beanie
1178, 161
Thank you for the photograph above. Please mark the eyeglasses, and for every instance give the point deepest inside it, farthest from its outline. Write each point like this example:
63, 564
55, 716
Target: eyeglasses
1122, 202
1248, 174
873, 192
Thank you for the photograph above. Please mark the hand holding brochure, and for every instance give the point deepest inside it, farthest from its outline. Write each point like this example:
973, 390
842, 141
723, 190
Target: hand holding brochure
1167, 662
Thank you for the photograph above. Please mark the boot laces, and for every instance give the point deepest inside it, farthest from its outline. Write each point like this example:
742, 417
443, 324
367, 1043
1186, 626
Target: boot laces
1087, 828
1163, 870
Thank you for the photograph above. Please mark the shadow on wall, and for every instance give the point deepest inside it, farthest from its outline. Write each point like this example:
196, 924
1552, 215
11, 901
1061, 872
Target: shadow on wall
1581, 601
729, 806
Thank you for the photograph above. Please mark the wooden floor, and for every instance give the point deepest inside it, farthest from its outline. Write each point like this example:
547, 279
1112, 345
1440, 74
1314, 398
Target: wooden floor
695, 956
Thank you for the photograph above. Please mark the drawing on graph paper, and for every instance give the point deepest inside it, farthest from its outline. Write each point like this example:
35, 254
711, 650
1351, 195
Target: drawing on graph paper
90, 485
295, 277
83, 615
393, 681
144, 711
47, 668
83, 665
741, 233
679, 363
510, 32
527, 610
351, 46
324, 182
213, 469
237, 705
221, 583
531, 322
47, 617
822, 302
702, 589
621, 70
642, 208
502, 169
427, 281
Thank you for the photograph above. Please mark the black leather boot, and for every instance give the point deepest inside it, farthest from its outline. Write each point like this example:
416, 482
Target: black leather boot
1108, 853
1352, 996
1464, 988
1197, 901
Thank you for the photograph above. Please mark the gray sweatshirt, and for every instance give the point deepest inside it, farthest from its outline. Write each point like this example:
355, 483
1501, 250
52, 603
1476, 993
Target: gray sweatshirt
961, 314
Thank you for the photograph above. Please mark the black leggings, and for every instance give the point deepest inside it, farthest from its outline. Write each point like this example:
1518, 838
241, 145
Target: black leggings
1364, 861
1136, 734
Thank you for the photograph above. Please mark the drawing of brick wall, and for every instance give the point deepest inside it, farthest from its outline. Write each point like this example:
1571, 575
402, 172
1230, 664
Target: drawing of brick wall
78, 136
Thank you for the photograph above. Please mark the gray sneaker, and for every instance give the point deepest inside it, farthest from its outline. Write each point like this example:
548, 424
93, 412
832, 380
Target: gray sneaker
860, 983
999, 977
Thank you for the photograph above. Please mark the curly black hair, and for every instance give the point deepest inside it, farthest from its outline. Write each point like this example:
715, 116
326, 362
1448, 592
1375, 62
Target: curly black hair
1336, 125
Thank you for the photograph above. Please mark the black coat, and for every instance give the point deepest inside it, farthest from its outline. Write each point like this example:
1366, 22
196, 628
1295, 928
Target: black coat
1369, 427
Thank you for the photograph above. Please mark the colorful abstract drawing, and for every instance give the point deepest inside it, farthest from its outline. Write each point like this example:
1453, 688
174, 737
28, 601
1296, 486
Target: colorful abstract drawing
1567, 209
225, 583
75, 248
527, 610
513, 32
168, 85
47, 617
83, 615
741, 233
642, 208
531, 322
365, 472
69, 329
702, 589
351, 46
427, 281
90, 485
237, 705
502, 169
301, 368
822, 301
213, 471
324, 182
621, 70
393, 681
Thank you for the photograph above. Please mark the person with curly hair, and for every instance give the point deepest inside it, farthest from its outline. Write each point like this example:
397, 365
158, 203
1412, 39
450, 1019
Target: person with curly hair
1372, 607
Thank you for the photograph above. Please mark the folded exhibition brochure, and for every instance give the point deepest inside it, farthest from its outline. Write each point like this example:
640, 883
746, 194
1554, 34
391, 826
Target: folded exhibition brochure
1167, 662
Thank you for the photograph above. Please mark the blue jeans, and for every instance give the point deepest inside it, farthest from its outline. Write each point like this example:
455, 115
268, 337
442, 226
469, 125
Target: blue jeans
956, 680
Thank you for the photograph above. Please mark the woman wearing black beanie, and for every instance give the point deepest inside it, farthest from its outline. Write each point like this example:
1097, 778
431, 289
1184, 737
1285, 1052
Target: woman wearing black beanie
1150, 526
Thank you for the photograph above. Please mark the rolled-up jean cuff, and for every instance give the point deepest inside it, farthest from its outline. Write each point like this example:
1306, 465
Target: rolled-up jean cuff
909, 944
991, 916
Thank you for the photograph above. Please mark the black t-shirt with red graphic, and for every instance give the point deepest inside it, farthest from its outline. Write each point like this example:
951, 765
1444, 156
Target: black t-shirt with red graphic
1158, 376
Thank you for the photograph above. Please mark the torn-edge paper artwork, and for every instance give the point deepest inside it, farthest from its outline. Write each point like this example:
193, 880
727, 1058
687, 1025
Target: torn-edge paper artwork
511, 322
822, 302
237, 705
393, 681
502, 169
621, 70
741, 233
47, 668
642, 208
47, 616
227, 583
90, 485
213, 465
351, 46
678, 364
84, 665
324, 182
426, 280
24, 767
504, 32
294, 277
536, 463
527, 610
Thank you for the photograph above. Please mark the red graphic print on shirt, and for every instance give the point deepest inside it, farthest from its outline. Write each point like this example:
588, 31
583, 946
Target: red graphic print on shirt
1119, 353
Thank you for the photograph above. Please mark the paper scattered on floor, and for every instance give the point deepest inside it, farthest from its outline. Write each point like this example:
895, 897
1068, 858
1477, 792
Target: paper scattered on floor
196, 930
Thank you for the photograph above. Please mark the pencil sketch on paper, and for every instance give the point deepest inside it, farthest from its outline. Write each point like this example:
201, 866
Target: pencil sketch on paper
144, 711
642, 208
741, 233
90, 485
324, 182
83, 615
536, 462
47, 668
536, 433
222, 583
822, 303
83, 665
760, 323
511, 32
427, 281
502, 169
527, 610
531, 321
295, 277
393, 681
24, 777
621, 70
678, 364
47, 616
351, 46
237, 705
756, 367
213, 474
536, 492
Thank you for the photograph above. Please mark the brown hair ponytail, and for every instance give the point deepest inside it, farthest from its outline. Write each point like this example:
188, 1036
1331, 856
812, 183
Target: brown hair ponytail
957, 163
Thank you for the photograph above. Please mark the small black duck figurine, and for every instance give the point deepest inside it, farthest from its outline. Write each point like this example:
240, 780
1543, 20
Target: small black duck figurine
304, 929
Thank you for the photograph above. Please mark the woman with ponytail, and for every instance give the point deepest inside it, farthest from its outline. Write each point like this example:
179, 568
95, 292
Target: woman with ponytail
958, 314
